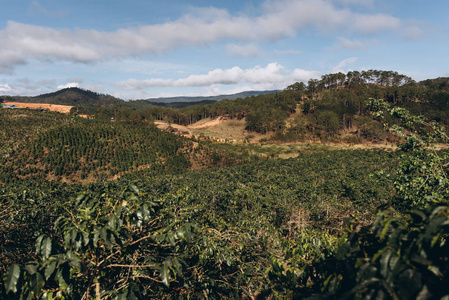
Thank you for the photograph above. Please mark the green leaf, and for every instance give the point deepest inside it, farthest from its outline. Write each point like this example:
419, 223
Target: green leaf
139, 218
393, 263
165, 274
39, 242
134, 188
384, 263
79, 199
424, 294
418, 215
180, 233
409, 283
50, 269
31, 269
177, 265
146, 212
97, 232
38, 283
184, 232
122, 296
133, 198
46, 248
113, 222
86, 238
11, 279
62, 275
435, 270
78, 241
385, 229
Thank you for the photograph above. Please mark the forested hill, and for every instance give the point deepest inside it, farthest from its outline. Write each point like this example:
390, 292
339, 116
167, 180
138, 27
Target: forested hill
69, 96
77, 97
211, 98
440, 83
331, 108
181, 104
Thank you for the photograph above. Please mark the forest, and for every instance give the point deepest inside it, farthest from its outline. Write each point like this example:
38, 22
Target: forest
113, 208
332, 108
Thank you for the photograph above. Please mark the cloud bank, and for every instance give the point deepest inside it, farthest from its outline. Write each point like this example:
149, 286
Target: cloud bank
272, 75
280, 19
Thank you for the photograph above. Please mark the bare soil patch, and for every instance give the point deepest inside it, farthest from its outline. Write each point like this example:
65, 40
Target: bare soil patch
175, 128
206, 123
223, 129
65, 109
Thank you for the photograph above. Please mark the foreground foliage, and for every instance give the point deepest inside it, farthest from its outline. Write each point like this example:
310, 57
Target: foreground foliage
403, 254
265, 229
225, 227
395, 258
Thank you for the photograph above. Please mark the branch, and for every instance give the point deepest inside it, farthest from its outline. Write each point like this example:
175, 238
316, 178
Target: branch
131, 266
147, 277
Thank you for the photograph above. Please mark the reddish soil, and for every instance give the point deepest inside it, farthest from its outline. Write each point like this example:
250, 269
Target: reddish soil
65, 109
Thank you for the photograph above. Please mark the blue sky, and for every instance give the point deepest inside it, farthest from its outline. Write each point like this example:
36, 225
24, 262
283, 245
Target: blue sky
139, 49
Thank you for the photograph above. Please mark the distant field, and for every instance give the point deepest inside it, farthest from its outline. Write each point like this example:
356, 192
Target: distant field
65, 109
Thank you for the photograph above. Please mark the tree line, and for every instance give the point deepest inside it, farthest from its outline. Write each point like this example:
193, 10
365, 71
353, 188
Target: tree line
325, 106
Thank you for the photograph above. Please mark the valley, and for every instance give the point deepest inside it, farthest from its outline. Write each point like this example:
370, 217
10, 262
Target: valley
306, 193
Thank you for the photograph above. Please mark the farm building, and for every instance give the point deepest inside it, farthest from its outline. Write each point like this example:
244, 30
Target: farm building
10, 106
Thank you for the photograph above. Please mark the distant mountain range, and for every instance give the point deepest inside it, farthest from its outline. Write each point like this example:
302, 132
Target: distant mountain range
210, 98
76, 96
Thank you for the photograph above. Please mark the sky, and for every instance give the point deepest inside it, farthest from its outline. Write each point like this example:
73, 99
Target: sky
139, 49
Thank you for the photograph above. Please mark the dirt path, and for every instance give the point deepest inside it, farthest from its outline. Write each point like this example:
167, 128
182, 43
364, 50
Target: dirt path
161, 125
199, 125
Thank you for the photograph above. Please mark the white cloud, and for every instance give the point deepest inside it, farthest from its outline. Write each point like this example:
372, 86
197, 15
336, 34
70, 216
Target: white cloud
5, 88
68, 85
271, 76
303, 75
340, 67
26, 87
281, 19
21, 42
29, 87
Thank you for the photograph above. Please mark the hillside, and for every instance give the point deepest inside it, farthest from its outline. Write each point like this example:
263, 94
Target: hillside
78, 96
333, 109
121, 209
440, 83
70, 96
49, 146
266, 228
182, 104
